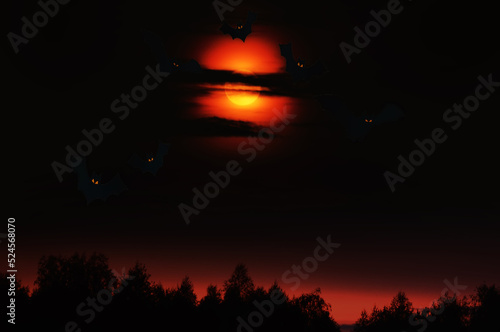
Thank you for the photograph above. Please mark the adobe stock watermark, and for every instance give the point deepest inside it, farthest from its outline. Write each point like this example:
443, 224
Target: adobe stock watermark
29, 29
372, 29
222, 7
454, 117
431, 312
249, 148
294, 276
91, 306
121, 106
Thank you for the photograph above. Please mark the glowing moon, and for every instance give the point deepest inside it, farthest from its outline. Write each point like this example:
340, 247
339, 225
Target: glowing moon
242, 94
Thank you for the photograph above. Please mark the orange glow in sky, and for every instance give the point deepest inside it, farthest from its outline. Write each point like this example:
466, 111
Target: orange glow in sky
237, 101
241, 94
255, 54
216, 103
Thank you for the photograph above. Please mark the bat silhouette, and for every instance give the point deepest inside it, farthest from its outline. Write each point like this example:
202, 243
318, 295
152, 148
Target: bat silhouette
153, 163
241, 31
296, 68
92, 186
168, 65
357, 127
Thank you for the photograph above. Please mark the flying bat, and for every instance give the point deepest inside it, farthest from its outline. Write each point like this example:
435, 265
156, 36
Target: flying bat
167, 64
297, 68
152, 163
357, 127
92, 186
241, 31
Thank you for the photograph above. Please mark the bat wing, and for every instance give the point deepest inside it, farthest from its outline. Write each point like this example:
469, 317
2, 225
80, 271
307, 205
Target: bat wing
296, 72
94, 192
162, 150
353, 124
191, 66
389, 113
114, 187
247, 28
286, 52
158, 48
159, 158
136, 162
226, 29
250, 19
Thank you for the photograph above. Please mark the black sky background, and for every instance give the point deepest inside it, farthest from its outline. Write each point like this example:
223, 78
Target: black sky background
428, 58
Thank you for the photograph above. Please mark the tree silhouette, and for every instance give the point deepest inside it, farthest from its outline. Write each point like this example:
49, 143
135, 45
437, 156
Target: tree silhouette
76, 274
213, 297
184, 294
66, 283
210, 309
363, 323
393, 318
448, 314
485, 309
139, 297
239, 286
316, 312
69, 285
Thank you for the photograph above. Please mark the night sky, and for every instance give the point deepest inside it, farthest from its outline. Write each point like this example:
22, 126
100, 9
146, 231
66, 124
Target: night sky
311, 181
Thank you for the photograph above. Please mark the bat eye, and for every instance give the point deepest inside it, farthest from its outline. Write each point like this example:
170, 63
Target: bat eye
93, 181
371, 120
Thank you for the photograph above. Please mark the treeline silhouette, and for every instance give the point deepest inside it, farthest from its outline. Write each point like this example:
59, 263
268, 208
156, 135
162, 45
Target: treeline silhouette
82, 293
479, 312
